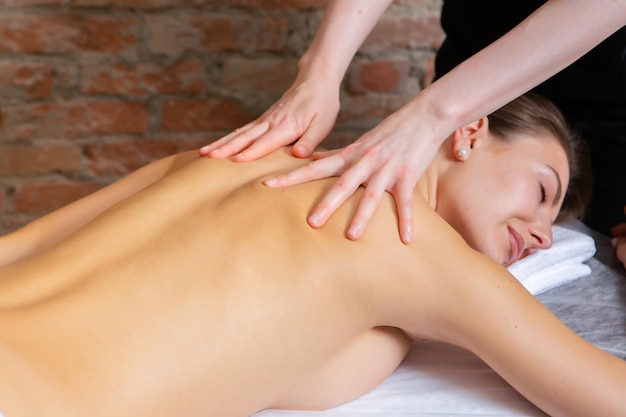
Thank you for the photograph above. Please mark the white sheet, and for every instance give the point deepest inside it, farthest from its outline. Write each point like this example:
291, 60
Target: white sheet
437, 379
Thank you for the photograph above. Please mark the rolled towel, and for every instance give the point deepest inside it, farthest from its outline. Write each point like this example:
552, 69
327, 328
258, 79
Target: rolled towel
558, 265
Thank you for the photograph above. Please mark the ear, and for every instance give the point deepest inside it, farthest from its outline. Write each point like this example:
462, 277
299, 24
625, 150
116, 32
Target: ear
467, 137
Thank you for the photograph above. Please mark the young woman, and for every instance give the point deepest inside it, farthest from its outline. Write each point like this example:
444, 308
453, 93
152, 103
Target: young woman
189, 288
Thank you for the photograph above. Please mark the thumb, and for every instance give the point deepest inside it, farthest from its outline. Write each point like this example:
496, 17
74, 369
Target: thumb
311, 138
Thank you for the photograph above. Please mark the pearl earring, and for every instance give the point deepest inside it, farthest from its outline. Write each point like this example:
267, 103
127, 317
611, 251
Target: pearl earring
462, 154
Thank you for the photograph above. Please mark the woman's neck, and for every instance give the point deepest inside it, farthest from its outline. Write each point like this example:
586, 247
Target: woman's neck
427, 186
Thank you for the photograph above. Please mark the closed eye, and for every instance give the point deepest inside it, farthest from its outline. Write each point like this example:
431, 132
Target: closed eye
543, 194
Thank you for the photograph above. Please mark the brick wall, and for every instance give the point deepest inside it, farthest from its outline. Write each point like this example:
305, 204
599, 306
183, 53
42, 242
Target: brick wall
92, 89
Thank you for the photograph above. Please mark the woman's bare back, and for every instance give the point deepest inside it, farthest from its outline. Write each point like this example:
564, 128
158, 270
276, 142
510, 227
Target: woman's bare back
203, 294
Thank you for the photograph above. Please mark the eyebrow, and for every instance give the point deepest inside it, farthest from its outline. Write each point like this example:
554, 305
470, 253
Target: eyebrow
557, 196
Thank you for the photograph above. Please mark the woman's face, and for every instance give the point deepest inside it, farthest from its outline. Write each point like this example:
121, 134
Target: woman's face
504, 198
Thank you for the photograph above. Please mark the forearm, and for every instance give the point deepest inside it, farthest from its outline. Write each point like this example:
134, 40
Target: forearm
530, 348
553, 37
556, 369
346, 24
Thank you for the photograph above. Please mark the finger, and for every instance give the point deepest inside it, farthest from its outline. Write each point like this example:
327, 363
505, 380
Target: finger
403, 196
205, 150
370, 200
314, 170
240, 141
269, 141
324, 154
343, 188
311, 138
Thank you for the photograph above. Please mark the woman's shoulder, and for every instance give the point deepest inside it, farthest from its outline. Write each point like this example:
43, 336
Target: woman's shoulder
224, 170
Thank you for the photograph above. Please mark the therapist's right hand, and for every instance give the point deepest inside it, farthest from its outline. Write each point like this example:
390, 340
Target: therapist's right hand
305, 114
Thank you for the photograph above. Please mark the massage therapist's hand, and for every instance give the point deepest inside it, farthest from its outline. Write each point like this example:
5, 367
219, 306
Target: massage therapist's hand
391, 157
305, 113
619, 241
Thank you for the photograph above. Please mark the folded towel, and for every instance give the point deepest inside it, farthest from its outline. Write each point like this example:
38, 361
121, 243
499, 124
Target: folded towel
558, 265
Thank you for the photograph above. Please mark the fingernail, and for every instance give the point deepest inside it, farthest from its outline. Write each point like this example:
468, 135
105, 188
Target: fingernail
614, 242
300, 150
314, 219
270, 182
407, 236
354, 232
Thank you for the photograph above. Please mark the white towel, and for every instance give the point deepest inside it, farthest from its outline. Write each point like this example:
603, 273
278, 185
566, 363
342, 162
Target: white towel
558, 265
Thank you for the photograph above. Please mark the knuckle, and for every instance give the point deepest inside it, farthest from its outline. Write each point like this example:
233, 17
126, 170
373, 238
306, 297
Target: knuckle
309, 168
371, 196
407, 204
341, 184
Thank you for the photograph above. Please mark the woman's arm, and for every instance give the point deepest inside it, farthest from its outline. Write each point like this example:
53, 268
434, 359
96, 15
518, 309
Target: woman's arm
50, 229
491, 315
308, 109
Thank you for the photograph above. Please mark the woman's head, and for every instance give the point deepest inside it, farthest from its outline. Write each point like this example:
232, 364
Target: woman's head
504, 191
534, 114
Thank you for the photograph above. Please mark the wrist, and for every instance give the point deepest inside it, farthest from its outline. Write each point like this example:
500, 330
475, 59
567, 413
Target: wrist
442, 117
315, 67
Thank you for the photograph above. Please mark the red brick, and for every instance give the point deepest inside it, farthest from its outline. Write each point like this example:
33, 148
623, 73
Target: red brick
72, 120
402, 32
107, 118
194, 143
21, 80
358, 111
27, 3
176, 35
45, 197
29, 121
279, 4
261, 75
384, 76
145, 4
121, 157
187, 115
67, 33
16, 160
184, 77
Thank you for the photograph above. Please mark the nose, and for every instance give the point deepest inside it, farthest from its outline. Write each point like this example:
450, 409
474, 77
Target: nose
541, 234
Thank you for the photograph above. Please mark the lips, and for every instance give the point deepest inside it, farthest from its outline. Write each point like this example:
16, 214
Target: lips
516, 245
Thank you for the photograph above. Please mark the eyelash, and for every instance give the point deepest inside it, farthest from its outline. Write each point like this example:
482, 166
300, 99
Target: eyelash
544, 196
